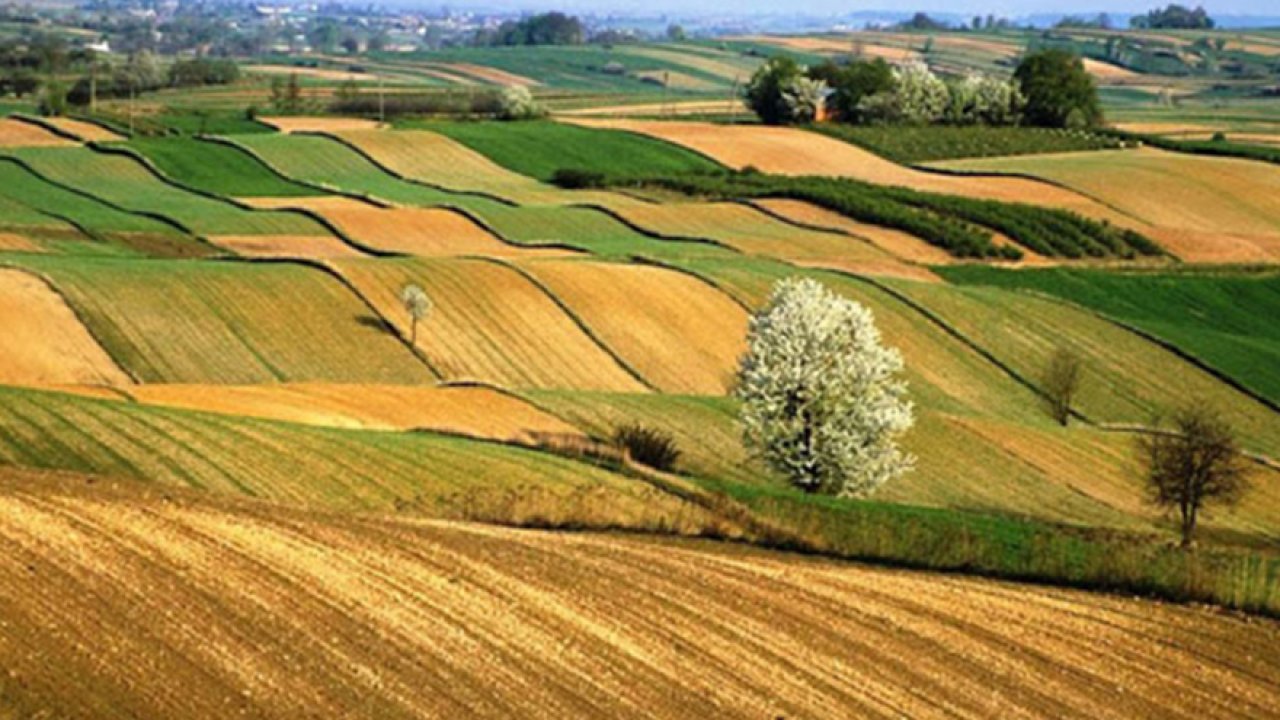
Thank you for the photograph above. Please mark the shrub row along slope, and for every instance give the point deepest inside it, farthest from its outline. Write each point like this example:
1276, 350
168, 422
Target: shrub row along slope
959, 225
910, 145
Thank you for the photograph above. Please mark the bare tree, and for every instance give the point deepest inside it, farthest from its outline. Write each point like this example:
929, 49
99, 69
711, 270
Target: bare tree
1061, 382
417, 304
1196, 462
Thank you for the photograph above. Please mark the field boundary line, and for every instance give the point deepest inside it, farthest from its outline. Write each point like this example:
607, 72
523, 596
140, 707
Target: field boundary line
75, 312
577, 320
47, 127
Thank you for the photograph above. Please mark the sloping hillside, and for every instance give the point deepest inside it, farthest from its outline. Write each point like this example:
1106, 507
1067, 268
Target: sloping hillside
205, 607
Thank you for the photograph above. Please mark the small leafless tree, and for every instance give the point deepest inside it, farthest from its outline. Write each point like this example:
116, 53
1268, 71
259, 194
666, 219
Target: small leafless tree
1194, 463
417, 304
1061, 382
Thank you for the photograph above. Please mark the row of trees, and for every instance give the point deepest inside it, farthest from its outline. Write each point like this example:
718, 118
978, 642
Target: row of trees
1173, 17
1050, 88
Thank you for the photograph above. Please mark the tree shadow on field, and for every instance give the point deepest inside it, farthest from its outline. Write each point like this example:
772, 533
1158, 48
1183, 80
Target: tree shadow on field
377, 323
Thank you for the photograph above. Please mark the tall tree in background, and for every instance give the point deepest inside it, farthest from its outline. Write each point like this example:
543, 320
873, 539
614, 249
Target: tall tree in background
821, 401
1059, 92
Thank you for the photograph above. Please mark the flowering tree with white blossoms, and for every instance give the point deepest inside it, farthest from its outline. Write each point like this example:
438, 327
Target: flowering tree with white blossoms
821, 402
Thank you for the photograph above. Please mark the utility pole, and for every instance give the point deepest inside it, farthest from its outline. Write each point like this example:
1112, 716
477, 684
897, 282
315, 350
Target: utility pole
133, 104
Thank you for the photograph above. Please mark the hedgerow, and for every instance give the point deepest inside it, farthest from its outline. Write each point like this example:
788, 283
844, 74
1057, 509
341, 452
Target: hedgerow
961, 226
1219, 148
909, 145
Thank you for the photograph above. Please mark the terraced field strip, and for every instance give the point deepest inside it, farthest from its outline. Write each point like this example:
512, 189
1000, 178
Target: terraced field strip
123, 181
424, 232
1207, 209
241, 323
43, 342
752, 232
733, 68
489, 75
1126, 378
305, 466
327, 161
438, 160
216, 168
1214, 317
489, 324
679, 107
285, 246
317, 124
789, 151
16, 133
86, 131
539, 148
474, 411
898, 243
33, 202
679, 333
12, 242
577, 624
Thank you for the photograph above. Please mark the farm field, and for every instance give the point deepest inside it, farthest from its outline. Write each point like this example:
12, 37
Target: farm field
789, 151
1204, 201
1213, 317
623, 601
209, 322
308, 413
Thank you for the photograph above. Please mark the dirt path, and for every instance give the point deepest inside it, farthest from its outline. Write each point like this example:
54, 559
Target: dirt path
119, 601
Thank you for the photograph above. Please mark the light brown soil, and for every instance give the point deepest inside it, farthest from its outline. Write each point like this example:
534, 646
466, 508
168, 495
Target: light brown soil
318, 124
15, 133
681, 334
87, 131
491, 75
42, 342
13, 241
1106, 72
473, 411
690, 107
318, 73
285, 246
120, 601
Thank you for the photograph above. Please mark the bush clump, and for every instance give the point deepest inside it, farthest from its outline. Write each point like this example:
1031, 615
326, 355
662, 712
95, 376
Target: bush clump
648, 446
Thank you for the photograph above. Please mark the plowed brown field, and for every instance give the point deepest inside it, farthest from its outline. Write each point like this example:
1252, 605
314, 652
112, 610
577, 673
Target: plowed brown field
474, 411
901, 244
12, 241
42, 342
120, 601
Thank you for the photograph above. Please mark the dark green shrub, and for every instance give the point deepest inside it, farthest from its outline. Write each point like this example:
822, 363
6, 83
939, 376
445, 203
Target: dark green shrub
575, 179
648, 446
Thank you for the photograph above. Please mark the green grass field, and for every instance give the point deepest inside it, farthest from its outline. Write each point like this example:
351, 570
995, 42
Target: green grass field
1216, 317
36, 204
539, 148
215, 168
127, 183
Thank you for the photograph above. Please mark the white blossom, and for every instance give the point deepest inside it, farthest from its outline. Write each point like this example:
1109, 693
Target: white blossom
821, 402
803, 97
